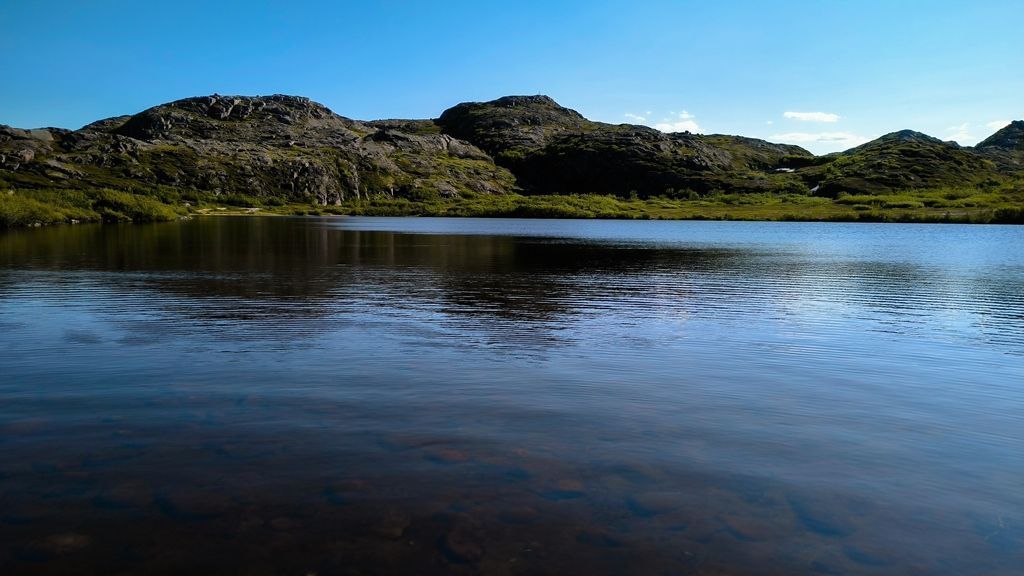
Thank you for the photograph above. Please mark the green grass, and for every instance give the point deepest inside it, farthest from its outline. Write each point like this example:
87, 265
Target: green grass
43, 207
116, 206
1004, 204
992, 204
17, 210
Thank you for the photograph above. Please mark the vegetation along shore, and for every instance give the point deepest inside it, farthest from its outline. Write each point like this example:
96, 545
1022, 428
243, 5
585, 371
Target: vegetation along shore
517, 156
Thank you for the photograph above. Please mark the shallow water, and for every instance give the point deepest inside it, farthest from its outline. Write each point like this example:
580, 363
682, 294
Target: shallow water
435, 396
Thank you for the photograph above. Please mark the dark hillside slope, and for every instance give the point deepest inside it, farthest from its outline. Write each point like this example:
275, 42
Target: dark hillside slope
554, 150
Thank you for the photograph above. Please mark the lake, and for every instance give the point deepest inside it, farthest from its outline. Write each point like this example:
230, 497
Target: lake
243, 395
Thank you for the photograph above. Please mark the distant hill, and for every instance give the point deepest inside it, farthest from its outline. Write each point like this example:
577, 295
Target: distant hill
899, 161
292, 149
1006, 147
1010, 137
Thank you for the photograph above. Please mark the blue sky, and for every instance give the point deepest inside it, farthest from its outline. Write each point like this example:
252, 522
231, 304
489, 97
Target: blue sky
844, 71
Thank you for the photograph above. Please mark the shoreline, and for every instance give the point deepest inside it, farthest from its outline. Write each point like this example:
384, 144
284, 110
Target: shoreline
36, 208
856, 219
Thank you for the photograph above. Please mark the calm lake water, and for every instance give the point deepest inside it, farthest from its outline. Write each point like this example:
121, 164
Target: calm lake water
435, 396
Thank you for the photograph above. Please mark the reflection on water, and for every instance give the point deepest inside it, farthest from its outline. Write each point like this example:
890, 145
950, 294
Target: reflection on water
354, 396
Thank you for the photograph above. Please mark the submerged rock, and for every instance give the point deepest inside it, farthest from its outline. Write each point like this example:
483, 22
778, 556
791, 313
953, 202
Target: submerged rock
391, 523
67, 543
463, 542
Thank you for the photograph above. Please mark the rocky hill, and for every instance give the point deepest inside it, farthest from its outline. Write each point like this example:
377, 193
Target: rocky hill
1010, 137
555, 150
900, 161
1006, 147
291, 149
275, 146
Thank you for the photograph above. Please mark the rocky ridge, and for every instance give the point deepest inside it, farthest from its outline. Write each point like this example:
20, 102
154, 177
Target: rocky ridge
1006, 147
292, 149
276, 146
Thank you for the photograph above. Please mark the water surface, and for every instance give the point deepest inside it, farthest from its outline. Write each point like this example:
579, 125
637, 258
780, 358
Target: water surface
434, 396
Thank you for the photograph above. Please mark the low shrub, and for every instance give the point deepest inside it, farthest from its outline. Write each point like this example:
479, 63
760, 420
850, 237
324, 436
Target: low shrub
240, 200
16, 210
117, 206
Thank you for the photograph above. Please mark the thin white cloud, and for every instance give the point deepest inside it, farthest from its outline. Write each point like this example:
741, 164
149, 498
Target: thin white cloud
832, 139
681, 126
997, 124
770, 122
812, 116
960, 134
676, 121
682, 122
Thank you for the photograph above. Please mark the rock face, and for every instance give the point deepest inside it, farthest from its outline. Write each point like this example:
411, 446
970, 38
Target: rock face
293, 149
20, 147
